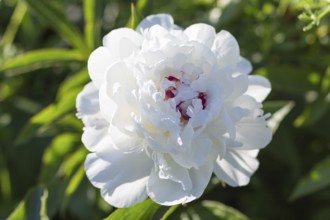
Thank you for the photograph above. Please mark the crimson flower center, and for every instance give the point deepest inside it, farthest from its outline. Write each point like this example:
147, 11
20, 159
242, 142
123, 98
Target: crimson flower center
185, 96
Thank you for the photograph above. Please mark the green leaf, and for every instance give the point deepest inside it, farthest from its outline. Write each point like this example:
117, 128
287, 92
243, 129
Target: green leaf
40, 59
318, 107
284, 76
313, 112
33, 206
89, 13
279, 110
71, 163
15, 21
142, 5
69, 123
317, 179
74, 81
52, 13
325, 84
208, 210
69, 168
5, 186
142, 211
133, 20
74, 183
43, 121
59, 148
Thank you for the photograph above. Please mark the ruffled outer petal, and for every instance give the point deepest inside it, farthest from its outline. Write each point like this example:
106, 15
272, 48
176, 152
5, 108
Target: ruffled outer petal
197, 155
202, 33
236, 167
253, 133
98, 63
120, 86
244, 66
259, 87
226, 48
251, 130
87, 103
169, 169
122, 42
95, 131
96, 138
122, 178
168, 192
164, 20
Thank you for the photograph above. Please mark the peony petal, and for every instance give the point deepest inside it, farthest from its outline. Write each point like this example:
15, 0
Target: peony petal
121, 85
259, 87
197, 153
236, 167
241, 83
107, 106
122, 179
169, 169
226, 48
249, 103
122, 42
87, 101
164, 20
244, 66
104, 140
202, 33
98, 63
253, 133
96, 139
88, 108
124, 142
167, 192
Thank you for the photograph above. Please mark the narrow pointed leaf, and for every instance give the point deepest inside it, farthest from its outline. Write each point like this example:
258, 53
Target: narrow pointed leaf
32, 207
208, 210
77, 80
279, 110
74, 183
134, 19
60, 148
40, 123
52, 13
142, 211
313, 113
5, 186
15, 21
89, 13
317, 179
38, 59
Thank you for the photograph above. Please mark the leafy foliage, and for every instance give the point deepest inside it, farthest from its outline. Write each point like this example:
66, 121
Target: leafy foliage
41, 155
143, 210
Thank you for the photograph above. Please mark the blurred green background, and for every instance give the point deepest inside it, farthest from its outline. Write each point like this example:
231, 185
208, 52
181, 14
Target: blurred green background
44, 46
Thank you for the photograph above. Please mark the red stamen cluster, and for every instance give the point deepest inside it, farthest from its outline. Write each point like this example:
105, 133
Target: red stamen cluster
172, 78
182, 106
202, 97
169, 93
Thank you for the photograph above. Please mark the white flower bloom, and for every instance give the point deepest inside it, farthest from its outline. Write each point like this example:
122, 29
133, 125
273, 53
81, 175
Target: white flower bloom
168, 107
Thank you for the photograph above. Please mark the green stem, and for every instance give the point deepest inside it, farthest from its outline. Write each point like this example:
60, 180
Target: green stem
323, 13
169, 212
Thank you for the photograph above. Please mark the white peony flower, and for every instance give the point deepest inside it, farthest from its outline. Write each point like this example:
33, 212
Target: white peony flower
166, 109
